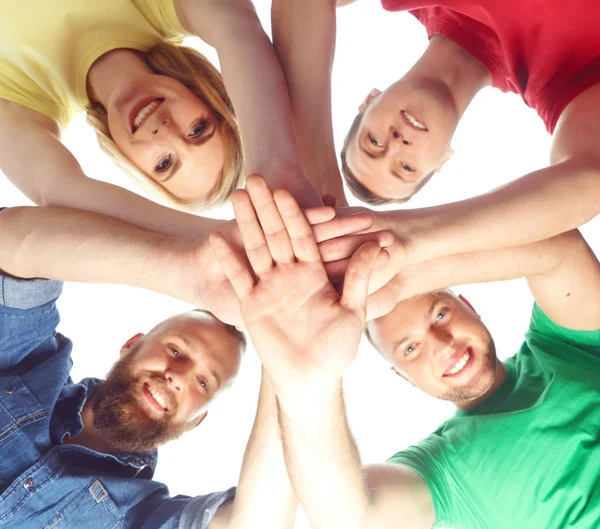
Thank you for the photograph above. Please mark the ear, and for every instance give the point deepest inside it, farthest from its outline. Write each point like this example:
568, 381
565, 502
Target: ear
448, 154
130, 343
372, 95
467, 303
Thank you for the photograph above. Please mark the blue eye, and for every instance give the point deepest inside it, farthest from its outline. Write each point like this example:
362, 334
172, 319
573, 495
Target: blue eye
174, 351
373, 141
198, 129
203, 383
410, 349
441, 314
164, 164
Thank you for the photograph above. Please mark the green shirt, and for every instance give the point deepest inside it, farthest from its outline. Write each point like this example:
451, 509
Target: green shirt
529, 456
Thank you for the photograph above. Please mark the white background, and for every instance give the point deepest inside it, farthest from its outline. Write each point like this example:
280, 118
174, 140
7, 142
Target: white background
499, 139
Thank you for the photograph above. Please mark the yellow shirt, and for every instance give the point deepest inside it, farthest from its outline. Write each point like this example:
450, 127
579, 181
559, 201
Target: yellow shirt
48, 46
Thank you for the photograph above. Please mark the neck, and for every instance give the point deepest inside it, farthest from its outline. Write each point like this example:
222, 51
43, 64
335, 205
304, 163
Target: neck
500, 377
111, 70
89, 436
448, 63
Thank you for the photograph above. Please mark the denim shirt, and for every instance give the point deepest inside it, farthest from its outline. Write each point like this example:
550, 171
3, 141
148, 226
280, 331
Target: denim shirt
45, 484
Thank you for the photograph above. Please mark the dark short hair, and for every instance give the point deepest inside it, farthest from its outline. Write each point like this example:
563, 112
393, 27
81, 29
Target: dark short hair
358, 189
232, 330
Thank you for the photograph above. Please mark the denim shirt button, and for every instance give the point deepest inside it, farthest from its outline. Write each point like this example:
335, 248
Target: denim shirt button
137, 462
29, 483
10, 390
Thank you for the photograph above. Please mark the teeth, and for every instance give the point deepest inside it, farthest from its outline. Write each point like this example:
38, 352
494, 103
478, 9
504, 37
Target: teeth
462, 361
159, 397
413, 121
144, 112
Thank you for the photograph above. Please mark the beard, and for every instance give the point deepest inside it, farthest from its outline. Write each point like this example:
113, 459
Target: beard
482, 383
119, 417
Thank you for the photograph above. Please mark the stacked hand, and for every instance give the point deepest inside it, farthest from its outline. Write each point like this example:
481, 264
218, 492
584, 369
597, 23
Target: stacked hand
303, 330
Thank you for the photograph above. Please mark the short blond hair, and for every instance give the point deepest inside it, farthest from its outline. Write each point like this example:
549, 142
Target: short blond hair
193, 70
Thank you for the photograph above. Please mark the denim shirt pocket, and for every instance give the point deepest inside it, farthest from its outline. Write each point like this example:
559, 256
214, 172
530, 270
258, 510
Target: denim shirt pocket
92, 507
18, 406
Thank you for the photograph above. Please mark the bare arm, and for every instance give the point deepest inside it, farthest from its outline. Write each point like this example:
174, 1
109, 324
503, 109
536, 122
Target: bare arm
257, 88
304, 39
554, 267
34, 159
264, 496
324, 466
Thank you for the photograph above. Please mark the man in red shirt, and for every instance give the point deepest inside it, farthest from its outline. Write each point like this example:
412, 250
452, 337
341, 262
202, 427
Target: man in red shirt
547, 52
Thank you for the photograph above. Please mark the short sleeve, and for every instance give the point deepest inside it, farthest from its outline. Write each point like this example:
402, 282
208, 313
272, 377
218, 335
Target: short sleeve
199, 511
573, 348
161, 14
424, 459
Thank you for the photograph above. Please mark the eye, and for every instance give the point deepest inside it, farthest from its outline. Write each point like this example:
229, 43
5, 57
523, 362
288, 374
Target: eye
410, 349
174, 351
163, 164
408, 168
203, 383
440, 315
374, 142
198, 129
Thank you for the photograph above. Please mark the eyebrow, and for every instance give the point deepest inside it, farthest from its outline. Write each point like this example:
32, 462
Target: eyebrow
198, 142
407, 337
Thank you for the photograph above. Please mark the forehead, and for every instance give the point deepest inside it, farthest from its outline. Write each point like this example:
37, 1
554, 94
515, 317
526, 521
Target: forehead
412, 315
194, 327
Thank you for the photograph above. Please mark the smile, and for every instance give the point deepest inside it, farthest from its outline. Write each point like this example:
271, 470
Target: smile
155, 398
413, 121
460, 364
141, 112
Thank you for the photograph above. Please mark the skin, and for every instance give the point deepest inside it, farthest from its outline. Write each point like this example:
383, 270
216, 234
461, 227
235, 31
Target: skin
179, 144
389, 155
190, 359
424, 337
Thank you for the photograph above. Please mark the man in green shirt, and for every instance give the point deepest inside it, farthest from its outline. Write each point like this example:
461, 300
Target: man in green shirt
523, 449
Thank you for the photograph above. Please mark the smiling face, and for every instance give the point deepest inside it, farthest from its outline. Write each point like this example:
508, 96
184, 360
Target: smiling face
439, 344
164, 382
169, 134
404, 135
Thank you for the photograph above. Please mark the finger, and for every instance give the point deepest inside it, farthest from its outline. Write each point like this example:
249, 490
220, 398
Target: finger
254, 240
383, 301
356, 280
270, 220
233, 267
319, 214
329, 200
342, 226
336, 270
344, 247
300, 232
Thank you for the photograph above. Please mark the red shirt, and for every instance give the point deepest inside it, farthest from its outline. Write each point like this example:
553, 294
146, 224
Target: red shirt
548, 51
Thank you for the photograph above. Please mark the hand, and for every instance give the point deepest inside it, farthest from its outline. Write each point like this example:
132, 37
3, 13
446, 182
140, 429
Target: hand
337, 252
301, 328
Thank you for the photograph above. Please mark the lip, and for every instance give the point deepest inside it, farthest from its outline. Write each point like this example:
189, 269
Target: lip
138, 106
407, 121
151, 400
455, 357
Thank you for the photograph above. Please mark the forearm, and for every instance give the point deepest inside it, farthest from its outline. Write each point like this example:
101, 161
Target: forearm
264, 497
537, 206
304, 39
73, 245
255, 83
322, 460
500, 264
87, 194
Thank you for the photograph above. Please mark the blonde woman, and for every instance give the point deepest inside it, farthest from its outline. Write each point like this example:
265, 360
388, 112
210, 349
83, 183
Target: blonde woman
160, 110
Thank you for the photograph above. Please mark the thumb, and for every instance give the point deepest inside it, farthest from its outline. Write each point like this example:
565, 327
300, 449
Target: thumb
383, 301
358, 274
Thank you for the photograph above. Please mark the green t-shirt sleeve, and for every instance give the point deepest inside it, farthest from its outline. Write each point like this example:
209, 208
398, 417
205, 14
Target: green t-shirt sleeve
424, 459
163, 17
547, 338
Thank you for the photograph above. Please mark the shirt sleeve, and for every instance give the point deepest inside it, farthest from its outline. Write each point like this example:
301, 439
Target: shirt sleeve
557, 343
163, 17
199, 511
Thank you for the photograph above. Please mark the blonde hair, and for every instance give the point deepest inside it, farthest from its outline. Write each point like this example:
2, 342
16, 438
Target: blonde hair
193, 70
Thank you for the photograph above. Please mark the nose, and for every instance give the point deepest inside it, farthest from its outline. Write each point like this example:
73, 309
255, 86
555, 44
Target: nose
176, 377
398, 137
161, 125
442, 342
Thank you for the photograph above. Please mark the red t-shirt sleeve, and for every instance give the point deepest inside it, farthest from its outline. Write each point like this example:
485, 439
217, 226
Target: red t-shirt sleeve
472, 36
